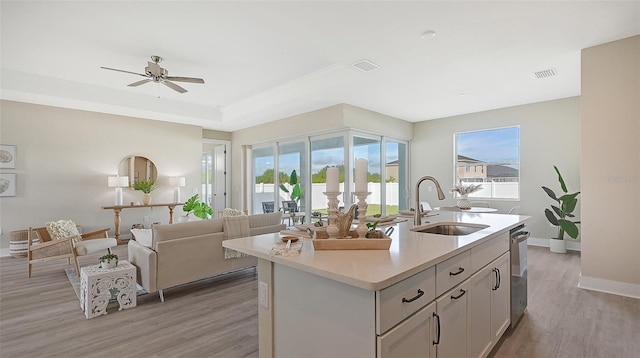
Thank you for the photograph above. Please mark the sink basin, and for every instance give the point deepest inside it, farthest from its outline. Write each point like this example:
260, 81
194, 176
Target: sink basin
450, 228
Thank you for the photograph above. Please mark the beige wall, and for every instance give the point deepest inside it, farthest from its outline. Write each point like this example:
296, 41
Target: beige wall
216, 135
611, 165
64, 157
549, 135
324, 120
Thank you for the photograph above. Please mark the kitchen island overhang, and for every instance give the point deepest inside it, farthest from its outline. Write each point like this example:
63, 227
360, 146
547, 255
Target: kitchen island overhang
410, 252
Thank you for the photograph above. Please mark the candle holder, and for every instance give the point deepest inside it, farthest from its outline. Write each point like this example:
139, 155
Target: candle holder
332, 229
362, 213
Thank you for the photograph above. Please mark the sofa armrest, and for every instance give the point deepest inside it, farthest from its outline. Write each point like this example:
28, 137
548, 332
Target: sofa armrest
145, 260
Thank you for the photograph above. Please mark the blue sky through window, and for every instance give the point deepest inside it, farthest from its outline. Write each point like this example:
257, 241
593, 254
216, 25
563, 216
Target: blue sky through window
496, 145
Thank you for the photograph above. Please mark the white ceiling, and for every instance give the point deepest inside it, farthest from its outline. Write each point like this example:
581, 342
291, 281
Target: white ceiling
264, 60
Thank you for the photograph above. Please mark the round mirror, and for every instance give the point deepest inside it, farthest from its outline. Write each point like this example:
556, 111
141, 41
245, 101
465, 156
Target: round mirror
137, 168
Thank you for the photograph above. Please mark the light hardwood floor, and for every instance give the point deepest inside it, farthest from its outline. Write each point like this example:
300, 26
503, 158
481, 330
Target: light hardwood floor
41, 317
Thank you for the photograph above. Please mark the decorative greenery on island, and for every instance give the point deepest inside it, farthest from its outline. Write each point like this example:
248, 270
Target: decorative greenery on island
558, 214
198, 208
145, 185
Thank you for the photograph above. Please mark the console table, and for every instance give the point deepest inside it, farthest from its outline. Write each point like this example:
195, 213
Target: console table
117, 209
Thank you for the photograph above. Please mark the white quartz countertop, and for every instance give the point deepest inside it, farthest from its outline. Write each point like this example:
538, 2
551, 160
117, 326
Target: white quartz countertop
410, 252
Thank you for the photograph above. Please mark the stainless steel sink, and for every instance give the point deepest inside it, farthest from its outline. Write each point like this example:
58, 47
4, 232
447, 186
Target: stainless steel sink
450, 228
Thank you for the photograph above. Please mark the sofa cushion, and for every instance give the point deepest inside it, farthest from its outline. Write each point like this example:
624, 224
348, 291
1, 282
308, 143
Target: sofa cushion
268, 219
143, 236
180, 230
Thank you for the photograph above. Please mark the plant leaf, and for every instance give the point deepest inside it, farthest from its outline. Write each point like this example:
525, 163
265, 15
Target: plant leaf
295, 195
293, 180
569, 227
552, 218
550, 192
569, 205
562, 184
558, 211
188, 206
284, 188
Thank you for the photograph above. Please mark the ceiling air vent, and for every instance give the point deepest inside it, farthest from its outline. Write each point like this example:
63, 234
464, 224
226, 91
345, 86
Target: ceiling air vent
365, 66
546, 73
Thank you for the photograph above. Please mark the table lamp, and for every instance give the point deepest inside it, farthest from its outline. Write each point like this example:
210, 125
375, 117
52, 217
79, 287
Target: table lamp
176, 183
118, 183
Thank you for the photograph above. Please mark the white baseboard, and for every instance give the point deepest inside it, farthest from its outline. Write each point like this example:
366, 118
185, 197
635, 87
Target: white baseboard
571, 245
608, 286
4, 252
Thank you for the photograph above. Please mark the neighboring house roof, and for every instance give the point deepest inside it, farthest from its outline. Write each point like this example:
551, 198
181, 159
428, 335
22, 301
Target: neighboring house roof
462, 158
501, 171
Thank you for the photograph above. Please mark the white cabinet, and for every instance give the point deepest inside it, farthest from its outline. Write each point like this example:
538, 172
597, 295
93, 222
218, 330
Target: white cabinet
452, 326
412, 338
488, 306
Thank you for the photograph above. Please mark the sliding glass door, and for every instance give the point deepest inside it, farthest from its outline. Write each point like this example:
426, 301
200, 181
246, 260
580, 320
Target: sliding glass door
369, 148
263, 183
326, 152
292, 174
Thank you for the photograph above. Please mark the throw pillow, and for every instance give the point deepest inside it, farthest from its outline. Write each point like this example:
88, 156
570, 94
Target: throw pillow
143, 236
63, 229
232, 212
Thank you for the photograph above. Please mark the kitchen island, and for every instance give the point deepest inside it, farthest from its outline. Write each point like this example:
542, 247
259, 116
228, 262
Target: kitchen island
368, 303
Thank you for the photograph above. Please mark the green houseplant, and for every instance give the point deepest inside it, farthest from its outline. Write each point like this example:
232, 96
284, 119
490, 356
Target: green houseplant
561, 215
295, 192
146, 186
198, 208
108, 261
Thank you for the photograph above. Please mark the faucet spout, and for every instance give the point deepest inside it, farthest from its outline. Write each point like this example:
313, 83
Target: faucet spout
417, 218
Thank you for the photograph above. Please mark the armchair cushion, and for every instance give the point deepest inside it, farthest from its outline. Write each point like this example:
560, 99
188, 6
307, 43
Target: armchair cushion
63, 229
87, 247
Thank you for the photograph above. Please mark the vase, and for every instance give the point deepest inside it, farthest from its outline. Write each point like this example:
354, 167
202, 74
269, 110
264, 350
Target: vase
558, 246
146, 199
463, 202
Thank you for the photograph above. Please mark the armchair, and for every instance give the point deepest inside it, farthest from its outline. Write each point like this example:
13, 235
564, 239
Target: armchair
61, 239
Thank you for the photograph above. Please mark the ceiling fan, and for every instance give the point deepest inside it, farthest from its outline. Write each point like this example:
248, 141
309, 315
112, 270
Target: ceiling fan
153, 72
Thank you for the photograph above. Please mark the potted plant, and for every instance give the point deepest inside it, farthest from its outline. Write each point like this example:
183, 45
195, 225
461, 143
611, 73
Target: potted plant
108, 261
146, 186
294, 192
196, 207
372, 232
464, 191
559, 215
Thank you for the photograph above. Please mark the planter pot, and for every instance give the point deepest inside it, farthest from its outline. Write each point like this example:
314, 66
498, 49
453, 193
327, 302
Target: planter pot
186, 219
463, 202
558, 246
108, 264
146, 199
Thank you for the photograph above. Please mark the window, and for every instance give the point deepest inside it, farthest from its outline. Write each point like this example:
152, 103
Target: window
325, 153
495, 155
263, 173
292, 156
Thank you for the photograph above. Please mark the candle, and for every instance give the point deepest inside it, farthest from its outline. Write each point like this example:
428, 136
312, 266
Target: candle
361, 175
332, 180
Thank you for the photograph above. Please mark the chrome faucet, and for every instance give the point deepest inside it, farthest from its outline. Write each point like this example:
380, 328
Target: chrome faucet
417, 216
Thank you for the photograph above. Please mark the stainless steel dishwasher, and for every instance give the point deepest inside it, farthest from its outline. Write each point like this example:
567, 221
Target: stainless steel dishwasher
518, 236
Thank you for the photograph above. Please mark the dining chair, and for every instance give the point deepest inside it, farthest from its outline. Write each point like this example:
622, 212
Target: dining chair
268, 207
515, 210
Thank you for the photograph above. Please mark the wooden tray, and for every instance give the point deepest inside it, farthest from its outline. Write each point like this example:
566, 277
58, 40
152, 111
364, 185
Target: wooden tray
350, 244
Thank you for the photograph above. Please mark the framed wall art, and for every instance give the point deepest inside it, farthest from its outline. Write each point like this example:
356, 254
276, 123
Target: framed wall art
7, 185
7, 156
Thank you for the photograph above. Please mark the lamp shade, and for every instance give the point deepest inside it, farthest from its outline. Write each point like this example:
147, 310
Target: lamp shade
177, 181
118, 182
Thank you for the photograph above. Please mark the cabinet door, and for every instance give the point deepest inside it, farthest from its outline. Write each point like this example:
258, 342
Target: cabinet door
412, 338
480, 333
500, 299
452, 311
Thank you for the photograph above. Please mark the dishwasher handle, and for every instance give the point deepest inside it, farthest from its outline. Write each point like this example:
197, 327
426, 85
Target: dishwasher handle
520, 236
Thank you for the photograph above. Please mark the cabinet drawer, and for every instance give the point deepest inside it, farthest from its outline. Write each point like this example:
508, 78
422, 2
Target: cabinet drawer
452, 271
397, 302
488, 251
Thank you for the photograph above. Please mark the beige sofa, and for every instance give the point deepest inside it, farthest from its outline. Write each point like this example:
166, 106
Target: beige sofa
185, 252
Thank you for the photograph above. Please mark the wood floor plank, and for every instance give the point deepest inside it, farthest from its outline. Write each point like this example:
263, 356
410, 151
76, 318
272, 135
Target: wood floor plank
217, 317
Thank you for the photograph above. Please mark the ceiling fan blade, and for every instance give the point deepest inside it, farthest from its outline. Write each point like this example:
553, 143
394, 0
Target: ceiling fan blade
115, 69
185, 79
135, 84
174, 86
